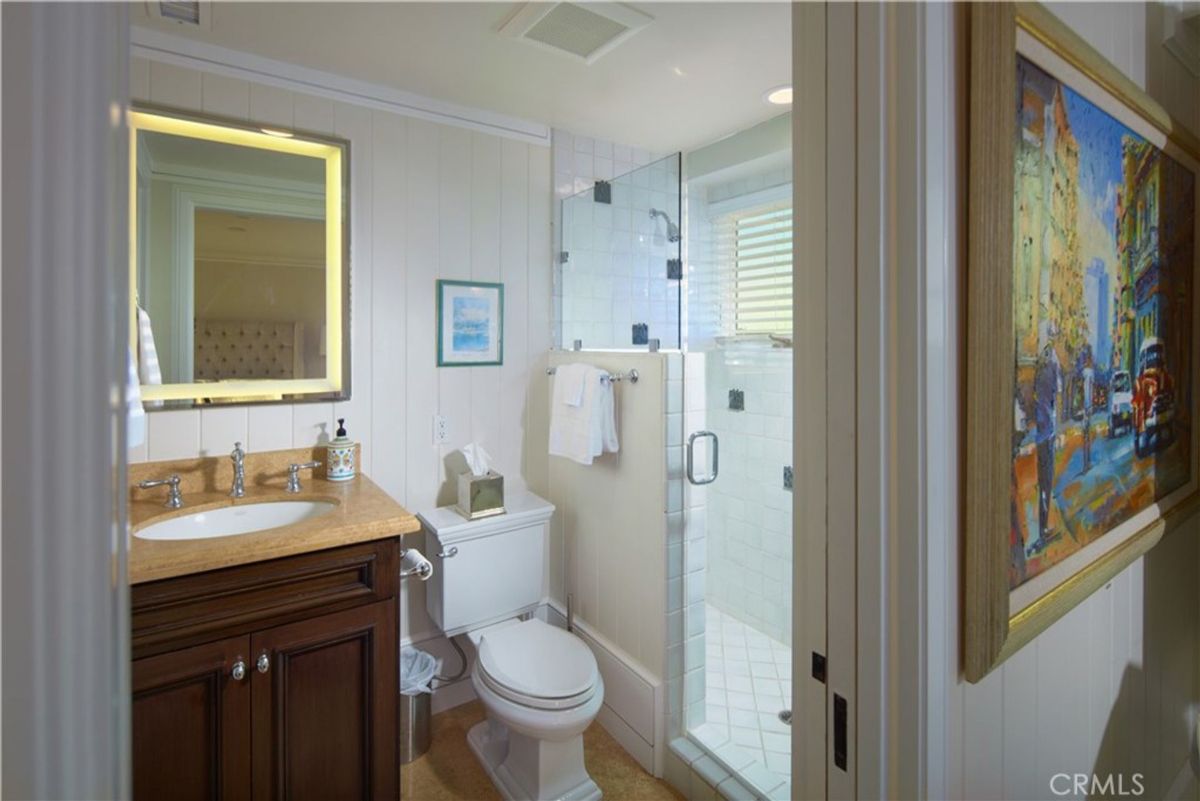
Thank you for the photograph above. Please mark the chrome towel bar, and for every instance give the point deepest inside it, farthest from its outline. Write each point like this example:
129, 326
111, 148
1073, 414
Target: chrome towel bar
632, 375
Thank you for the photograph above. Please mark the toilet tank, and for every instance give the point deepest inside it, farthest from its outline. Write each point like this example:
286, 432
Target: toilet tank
489, 569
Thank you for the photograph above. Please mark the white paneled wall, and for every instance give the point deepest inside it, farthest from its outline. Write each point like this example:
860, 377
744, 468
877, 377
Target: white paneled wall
610, 533
1113, 687
427, 201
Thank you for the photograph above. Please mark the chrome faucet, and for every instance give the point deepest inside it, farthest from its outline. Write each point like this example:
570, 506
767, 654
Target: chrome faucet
238, 490
293, 484
174, 496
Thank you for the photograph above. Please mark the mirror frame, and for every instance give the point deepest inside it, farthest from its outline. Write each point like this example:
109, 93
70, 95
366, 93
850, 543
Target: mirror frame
335, 386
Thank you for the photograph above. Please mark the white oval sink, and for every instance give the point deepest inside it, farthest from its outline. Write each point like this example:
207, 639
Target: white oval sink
230, 520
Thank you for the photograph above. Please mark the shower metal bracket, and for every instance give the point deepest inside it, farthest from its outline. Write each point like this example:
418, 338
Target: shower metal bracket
674, 269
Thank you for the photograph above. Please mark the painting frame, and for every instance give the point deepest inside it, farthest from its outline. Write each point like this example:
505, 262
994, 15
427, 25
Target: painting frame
992, 630
449, 350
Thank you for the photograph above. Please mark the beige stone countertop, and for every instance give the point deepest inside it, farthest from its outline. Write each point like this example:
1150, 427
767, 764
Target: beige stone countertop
363, 513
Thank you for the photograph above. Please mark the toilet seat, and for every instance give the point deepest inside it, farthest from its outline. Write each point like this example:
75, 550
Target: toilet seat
537, 665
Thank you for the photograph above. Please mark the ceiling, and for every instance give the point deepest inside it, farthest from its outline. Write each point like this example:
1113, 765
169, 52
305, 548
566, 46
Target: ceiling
695, 74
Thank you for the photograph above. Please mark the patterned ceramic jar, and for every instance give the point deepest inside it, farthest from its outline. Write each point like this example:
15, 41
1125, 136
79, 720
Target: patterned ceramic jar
341, 456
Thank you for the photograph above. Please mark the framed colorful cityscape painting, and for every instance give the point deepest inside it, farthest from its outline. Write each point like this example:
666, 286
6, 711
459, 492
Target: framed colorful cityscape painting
1082, 327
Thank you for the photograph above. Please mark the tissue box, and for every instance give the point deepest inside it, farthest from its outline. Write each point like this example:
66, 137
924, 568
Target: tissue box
480, 496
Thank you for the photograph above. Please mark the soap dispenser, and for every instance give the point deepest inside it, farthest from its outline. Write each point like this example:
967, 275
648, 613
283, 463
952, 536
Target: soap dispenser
341, 455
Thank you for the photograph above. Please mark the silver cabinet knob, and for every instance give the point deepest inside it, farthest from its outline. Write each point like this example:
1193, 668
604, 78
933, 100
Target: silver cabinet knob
239, 670
264, 662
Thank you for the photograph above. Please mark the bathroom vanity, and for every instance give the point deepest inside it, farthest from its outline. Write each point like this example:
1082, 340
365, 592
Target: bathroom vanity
265, 664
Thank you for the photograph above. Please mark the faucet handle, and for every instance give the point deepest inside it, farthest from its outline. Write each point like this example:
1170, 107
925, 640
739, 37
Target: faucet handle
174, 496
293, 484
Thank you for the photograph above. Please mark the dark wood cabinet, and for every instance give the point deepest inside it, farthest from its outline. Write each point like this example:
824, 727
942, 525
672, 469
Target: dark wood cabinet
314, 712
191, 723
318, 731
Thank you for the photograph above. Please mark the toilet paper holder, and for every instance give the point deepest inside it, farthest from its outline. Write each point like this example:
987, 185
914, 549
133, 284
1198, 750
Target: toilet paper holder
423, 570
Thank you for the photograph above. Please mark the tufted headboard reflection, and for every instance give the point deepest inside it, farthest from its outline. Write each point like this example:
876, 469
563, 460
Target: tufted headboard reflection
248, 349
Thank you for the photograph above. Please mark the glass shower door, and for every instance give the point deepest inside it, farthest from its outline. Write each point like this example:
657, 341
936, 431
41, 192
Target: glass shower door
737, 582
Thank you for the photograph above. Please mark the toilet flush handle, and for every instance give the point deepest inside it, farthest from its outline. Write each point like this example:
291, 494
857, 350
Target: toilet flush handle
450, 553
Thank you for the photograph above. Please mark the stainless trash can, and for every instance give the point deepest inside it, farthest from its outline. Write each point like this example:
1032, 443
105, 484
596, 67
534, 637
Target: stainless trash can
416, 727
417, 670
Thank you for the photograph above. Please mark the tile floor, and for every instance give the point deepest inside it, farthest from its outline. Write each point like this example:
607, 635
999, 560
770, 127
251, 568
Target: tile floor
449, 771
748, 681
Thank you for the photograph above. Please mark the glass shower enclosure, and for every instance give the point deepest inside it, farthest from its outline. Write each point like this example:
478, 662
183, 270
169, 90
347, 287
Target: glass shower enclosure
619, 270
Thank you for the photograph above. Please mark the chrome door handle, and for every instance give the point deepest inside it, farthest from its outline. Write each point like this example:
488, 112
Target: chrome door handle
239, 670
691, 462
264, 662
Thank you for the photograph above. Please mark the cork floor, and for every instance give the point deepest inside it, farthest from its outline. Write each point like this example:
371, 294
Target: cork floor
450, 771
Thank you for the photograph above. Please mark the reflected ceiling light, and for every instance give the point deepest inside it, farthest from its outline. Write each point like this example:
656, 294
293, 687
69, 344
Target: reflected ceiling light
282, 133
779, 96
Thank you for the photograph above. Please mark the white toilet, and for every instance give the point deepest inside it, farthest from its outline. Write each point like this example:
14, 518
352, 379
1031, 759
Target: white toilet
539, 683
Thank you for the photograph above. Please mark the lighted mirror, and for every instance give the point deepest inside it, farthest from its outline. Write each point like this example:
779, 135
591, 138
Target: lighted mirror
238, 261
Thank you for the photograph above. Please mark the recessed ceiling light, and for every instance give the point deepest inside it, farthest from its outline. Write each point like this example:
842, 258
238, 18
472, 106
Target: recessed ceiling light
287, 134
779, 96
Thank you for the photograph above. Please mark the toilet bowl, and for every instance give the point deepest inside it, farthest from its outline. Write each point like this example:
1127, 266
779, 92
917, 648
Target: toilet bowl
542, 689
539, 683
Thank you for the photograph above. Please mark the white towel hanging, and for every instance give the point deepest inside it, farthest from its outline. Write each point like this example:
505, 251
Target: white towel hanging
582, 431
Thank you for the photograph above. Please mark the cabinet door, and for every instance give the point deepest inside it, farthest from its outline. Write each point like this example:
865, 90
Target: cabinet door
325, 707
191, 724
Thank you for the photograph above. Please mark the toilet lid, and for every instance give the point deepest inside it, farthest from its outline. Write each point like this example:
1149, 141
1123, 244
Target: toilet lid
538, 661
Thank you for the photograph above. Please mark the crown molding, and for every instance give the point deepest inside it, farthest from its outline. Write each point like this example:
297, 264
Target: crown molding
182, 51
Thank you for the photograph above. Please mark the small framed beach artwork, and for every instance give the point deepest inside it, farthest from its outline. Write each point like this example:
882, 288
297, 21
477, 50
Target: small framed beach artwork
470, 323
1081, 357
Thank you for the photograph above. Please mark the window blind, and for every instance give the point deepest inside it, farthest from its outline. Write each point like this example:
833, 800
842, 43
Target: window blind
755, 254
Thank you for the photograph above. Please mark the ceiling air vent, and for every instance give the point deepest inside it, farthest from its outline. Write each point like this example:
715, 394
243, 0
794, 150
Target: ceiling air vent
188, 13
582, 31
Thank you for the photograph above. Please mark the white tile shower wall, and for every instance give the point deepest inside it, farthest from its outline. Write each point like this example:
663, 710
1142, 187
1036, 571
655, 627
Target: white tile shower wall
427, 201
748, 509
744, 518
615, 272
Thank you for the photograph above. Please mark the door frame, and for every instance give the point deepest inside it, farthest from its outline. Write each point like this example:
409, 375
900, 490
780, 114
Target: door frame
903, 289
861, 516
65, 369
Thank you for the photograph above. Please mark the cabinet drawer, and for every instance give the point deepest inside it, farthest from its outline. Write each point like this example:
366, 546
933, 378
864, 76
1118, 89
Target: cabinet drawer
178, 612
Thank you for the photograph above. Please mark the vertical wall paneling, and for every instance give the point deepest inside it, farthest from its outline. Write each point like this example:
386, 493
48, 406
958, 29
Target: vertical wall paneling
354, 124
421, 246
227, 97
426, 201
454, 258
389, 319
514, 273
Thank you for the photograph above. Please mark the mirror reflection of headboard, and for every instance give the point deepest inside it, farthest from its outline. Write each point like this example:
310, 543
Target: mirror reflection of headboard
239, 261
247, 349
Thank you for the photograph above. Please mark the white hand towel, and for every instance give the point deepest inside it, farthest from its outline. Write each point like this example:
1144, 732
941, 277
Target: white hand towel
608, 418
569, 381
584, 431
148, 371
135, 422
571, 424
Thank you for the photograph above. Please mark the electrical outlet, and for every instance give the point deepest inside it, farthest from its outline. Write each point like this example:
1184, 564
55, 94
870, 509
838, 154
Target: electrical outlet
441, 430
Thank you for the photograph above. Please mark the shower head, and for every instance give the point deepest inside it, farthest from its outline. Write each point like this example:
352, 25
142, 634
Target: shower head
672, 228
